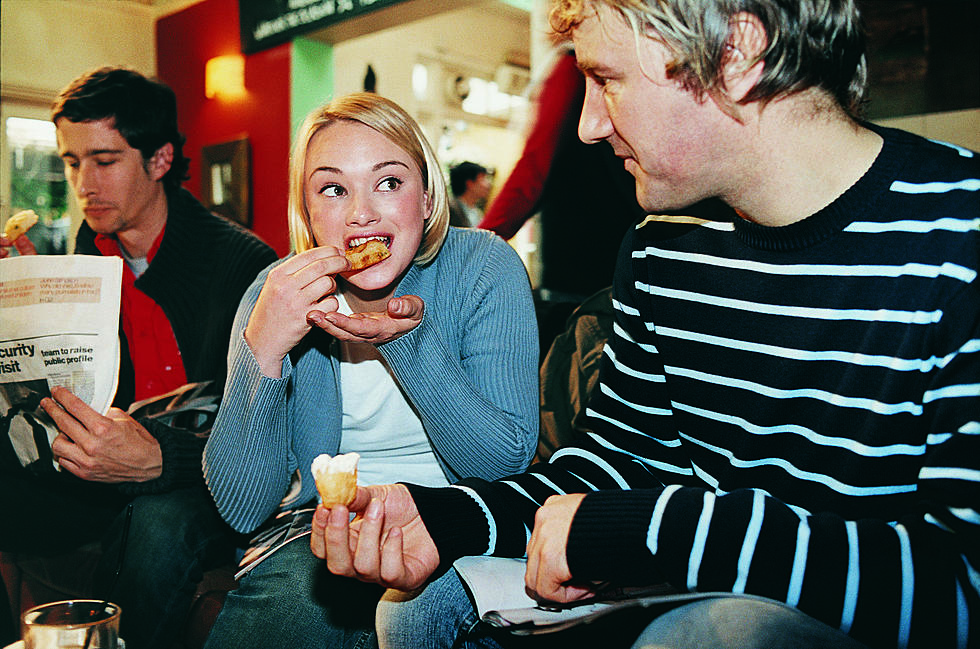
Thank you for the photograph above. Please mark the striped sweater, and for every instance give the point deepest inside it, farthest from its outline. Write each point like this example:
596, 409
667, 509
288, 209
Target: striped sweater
786, 412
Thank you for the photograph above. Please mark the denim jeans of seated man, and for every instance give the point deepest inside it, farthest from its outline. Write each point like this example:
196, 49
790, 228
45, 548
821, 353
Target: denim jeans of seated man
171, 539
291, 601
442, 617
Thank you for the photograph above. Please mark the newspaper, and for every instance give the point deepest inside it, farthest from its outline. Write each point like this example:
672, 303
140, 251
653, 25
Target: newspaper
59, 326
286, 527
496, 586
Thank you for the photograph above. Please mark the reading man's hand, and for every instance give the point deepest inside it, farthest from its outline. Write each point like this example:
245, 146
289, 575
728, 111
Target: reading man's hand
547, 576
386, 543
111, 448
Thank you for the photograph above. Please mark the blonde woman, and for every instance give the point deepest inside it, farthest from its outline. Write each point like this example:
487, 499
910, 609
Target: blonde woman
425, 363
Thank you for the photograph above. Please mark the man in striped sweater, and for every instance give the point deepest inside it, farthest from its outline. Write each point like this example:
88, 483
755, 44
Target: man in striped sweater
789, 407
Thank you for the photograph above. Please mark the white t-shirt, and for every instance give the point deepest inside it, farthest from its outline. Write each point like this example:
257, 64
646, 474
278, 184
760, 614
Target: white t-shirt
379, 423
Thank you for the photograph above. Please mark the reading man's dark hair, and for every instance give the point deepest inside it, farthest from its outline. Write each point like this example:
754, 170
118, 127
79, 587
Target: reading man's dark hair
143, 110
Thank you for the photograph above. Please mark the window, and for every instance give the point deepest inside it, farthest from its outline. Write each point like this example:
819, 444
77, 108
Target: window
37, 181
485, 98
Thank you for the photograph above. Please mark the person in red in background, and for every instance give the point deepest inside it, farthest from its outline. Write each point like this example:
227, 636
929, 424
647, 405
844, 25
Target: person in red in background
136, 487
554, 167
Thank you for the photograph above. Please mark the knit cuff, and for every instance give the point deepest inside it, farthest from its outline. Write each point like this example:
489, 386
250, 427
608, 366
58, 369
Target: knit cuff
608, 537
181, 451
456, 523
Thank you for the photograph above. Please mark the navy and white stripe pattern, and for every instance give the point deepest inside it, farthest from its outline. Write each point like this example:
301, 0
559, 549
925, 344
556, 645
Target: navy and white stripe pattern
803, 403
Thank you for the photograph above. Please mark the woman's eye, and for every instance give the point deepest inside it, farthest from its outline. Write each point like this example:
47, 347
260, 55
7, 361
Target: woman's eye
389, 184
333, 190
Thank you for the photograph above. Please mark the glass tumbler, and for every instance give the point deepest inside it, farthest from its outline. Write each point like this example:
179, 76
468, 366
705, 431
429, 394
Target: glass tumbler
72, 624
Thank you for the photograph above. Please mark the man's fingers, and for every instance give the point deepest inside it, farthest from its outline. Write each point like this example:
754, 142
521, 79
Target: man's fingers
318, 544
71, 467
21, 244
64, 450
77, 408
392, 561
338, 552
64, 420
366, 561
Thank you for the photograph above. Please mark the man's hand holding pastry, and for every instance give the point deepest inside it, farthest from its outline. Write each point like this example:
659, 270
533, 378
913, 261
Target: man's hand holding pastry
386, 543
13, 231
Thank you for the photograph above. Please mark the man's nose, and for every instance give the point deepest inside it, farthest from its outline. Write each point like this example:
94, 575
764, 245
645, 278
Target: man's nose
594, 124
85, 180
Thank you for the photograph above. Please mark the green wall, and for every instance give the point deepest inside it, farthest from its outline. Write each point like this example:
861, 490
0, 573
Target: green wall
311, 79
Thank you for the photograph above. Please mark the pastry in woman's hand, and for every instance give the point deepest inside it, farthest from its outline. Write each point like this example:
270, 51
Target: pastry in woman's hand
367, 254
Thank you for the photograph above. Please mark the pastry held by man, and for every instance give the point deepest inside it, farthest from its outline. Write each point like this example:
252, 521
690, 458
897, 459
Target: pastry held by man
366, 254
19, 223
336, 478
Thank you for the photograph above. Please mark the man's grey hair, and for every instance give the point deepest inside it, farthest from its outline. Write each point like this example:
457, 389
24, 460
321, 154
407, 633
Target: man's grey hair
811, 43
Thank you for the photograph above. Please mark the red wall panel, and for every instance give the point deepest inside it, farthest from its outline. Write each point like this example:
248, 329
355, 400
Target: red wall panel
185, 42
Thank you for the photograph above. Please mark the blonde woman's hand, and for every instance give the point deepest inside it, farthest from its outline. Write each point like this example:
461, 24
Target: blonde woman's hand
293, 288
401, 316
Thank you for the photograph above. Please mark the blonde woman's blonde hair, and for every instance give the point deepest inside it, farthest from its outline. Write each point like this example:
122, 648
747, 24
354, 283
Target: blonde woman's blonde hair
390, 120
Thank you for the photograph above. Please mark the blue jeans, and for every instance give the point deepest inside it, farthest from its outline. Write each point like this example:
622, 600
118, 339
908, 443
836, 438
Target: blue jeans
442, 616
173, 538
291, 601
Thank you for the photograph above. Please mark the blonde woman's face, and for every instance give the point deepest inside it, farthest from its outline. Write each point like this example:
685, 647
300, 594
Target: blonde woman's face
358, 185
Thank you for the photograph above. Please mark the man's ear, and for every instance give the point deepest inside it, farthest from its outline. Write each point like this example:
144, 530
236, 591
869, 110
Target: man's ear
742, 63
159, 164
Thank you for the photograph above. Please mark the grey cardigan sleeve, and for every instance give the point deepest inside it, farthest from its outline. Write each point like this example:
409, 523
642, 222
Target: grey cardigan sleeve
246, 460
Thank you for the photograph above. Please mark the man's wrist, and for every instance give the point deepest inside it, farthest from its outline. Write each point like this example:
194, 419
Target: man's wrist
456, 523
607, 539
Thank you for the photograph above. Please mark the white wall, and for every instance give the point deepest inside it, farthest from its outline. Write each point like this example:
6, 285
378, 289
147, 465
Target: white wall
44, 44
478, 37
474, 40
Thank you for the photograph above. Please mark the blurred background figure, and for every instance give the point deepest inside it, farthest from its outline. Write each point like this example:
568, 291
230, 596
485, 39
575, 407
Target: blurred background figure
585, 198
584, 195
470, 184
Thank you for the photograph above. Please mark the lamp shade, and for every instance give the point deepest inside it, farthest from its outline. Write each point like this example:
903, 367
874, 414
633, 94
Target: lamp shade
224, 76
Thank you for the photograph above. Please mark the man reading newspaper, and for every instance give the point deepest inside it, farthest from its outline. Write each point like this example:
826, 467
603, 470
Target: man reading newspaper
184, 273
